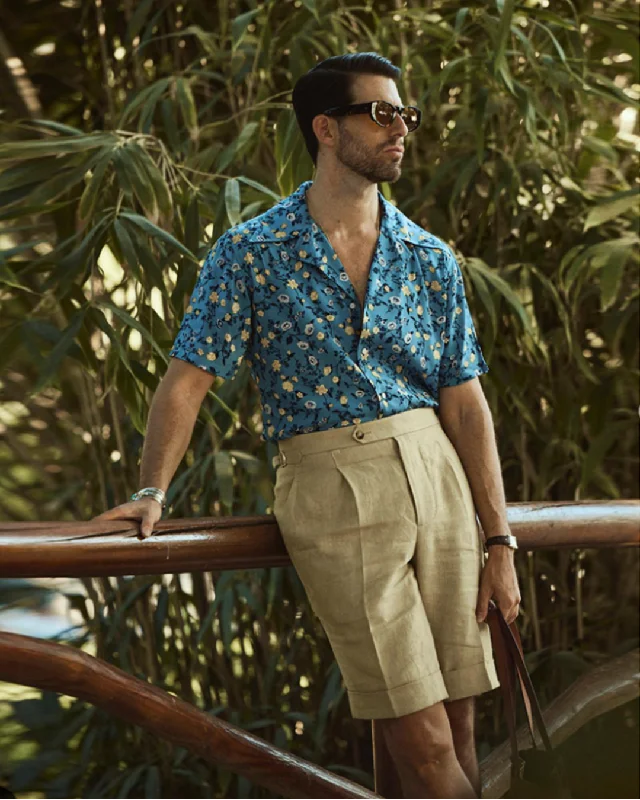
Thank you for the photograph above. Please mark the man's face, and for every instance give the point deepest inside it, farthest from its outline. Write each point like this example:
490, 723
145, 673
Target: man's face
361, 144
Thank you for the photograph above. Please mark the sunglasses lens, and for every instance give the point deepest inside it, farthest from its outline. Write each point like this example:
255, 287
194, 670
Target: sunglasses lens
385, 115
410, 117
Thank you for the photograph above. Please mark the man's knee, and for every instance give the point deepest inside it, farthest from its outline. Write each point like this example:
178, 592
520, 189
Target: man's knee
423, 737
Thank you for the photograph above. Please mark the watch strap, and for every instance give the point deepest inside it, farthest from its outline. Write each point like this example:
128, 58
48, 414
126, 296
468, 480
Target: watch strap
506, 539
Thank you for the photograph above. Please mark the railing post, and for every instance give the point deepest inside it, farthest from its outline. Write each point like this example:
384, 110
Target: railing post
385, 775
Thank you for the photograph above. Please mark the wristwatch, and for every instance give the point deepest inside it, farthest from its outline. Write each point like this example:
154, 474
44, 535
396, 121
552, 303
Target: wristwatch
151, 491
507, 539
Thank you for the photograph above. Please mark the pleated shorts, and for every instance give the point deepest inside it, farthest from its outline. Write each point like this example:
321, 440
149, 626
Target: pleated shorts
380, 524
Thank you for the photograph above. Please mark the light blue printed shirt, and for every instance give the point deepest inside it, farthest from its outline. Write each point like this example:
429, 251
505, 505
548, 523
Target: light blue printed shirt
272, 290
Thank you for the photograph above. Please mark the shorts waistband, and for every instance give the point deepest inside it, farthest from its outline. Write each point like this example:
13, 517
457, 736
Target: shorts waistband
292, 450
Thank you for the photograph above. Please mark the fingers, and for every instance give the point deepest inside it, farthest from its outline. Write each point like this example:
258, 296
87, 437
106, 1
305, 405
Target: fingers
146, 527
511, 613
147, 512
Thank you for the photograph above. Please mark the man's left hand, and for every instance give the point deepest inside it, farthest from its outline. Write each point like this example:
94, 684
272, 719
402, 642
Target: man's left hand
500, 582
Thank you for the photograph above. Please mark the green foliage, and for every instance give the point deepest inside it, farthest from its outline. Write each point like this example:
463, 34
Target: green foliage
146, 143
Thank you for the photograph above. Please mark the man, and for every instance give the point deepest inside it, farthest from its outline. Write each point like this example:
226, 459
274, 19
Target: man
356, 326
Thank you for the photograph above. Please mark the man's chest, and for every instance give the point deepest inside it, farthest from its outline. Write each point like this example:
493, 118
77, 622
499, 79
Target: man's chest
356, 258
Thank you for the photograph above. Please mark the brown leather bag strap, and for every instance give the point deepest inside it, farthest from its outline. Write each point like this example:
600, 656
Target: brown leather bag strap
506, 674
514, 645
510, 663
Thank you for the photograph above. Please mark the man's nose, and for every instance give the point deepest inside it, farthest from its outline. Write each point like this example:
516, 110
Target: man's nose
403, 124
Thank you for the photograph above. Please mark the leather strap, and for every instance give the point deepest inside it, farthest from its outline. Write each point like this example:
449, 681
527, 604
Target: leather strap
509, 664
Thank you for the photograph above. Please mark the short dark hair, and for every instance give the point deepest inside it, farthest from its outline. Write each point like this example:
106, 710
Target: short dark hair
329, 84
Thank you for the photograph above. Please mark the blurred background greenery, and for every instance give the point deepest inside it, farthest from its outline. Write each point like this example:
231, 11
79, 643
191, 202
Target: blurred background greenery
132, 135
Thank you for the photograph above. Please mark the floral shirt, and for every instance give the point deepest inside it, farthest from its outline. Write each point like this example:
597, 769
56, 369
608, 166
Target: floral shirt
272, 290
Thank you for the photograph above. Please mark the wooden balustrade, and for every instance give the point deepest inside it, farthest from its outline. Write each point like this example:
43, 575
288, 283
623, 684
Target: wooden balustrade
57, 668
92, 549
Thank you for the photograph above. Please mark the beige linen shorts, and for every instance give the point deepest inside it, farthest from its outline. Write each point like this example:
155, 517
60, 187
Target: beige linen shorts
380, 524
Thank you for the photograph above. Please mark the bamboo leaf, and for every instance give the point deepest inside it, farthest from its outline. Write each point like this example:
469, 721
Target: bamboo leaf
265, 189
93, 187
133, 323
232, 201
157, 182
505, 290
140, 182
158, 233
192, 225
239, 26
126, 245
148, 96
611, 276
54, 146
60, 351
187, 106
611, 209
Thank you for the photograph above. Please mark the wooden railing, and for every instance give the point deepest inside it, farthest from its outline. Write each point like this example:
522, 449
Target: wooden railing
53, 549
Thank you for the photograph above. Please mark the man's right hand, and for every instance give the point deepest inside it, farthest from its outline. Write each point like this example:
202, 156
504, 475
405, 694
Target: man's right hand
146, 509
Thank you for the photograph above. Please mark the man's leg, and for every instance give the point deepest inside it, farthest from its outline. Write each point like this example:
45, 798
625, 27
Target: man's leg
461, 715
422, 747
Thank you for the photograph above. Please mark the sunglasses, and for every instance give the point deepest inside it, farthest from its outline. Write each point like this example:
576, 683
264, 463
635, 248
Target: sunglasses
381, 112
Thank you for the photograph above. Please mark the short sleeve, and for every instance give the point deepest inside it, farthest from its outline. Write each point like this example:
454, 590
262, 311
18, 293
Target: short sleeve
216, 329
462, 357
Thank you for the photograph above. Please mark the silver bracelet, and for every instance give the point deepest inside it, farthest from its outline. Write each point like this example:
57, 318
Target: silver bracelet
151, 491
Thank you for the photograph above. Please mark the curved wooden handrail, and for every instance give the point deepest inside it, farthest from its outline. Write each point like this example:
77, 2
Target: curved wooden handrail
58, 668
92, 549
599, 690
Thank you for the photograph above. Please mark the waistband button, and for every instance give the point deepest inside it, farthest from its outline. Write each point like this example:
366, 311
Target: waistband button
358, 434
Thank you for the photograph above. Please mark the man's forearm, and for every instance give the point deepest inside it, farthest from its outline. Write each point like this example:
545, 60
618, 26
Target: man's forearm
169, 429
474, 439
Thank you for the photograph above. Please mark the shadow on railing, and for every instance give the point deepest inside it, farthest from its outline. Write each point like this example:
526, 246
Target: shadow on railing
73, 549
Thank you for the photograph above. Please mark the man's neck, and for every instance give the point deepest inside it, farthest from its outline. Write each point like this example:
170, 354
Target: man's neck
344, 210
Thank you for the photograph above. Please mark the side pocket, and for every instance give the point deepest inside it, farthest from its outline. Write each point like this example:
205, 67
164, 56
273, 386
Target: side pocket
283, 488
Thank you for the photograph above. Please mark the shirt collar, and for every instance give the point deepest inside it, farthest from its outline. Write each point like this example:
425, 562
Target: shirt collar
290, 218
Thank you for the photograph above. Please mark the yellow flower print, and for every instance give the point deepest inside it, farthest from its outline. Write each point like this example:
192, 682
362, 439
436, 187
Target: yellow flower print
314, 295
275, 365
321, 389
211, 356
458, 310
287, 385
261, 279
235, 307
435, 286
248, 257
292, 284
436, 355
327, 370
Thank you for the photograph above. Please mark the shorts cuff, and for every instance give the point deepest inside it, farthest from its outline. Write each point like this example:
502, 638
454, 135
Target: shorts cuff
401, 700
472, 680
